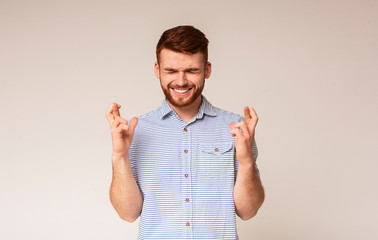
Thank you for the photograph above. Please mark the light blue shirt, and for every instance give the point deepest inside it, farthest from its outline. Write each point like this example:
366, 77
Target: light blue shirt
186, 173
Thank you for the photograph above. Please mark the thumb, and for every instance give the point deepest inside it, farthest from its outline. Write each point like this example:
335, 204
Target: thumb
132, 125
232, 125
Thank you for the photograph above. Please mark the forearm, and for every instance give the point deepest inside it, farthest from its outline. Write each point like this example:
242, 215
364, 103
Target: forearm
248, 191
125, 194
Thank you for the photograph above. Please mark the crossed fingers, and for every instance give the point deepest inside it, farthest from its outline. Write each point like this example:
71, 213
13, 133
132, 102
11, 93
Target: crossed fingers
250, 117
113, 115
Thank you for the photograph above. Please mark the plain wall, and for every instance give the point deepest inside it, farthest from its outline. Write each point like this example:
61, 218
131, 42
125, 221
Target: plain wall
309, 68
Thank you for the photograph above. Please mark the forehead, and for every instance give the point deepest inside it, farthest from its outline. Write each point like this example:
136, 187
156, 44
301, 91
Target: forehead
172, 59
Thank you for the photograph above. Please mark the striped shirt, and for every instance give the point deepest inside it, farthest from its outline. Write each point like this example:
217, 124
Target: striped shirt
186, 173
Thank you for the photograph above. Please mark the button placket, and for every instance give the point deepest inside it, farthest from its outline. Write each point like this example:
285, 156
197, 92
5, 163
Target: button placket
187, 184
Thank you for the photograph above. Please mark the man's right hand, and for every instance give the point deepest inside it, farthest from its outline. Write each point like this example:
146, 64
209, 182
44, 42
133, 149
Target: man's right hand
122, 133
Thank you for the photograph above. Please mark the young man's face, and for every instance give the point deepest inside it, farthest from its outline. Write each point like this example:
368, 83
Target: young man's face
182, 76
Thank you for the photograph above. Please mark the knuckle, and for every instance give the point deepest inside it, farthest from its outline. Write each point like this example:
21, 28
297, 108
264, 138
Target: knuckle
117, 119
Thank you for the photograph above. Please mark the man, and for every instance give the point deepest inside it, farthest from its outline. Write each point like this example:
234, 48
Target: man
187, 167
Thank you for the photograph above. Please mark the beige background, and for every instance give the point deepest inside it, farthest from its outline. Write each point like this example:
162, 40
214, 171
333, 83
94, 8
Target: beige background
309, 68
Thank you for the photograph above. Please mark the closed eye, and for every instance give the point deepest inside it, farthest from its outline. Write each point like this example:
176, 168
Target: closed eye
170, 70
192, 70
189, 70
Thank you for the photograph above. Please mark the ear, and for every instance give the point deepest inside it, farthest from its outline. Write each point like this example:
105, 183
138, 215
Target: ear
207, 70
157, 70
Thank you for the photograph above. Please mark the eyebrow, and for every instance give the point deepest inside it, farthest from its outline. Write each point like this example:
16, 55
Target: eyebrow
169, 69
185, 70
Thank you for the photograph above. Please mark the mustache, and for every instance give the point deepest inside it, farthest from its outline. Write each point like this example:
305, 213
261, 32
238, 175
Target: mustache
187, 85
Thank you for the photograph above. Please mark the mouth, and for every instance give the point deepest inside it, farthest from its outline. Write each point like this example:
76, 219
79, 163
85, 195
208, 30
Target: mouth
181, 92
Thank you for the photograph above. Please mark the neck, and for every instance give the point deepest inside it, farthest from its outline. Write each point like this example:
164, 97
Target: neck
188, 112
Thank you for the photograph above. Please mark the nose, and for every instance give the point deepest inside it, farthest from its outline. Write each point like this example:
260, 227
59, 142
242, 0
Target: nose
181, 78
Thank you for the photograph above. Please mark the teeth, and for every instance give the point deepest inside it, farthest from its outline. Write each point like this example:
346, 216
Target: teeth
181, 90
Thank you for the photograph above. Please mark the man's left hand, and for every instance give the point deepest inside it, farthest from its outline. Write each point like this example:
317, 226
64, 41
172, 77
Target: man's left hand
244, 133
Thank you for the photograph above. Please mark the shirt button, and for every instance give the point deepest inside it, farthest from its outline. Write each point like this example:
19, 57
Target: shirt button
187, 224
185, 129
216, 149
187, 199
186, 175
186, 151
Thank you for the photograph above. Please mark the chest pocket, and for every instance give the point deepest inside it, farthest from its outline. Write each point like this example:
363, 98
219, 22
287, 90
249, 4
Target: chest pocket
216, 159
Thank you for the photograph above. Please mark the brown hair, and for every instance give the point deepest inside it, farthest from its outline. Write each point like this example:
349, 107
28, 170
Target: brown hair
183, 39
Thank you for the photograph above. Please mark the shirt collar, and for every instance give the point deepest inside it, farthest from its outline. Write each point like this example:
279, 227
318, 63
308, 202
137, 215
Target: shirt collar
205, 108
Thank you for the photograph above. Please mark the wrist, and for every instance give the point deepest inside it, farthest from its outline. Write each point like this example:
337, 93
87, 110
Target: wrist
248, 167
116, 155
119, 159
246, 164
120, 164
247, 161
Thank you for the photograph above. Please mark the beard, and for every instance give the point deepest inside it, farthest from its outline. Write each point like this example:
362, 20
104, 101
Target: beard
182, 102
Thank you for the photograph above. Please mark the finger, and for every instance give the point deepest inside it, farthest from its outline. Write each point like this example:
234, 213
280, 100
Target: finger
247, 114
116, 110
235, 132
123, 127
253, 113
121, 130
109, 114
133, 123
118, 120
253, 122
243, 126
